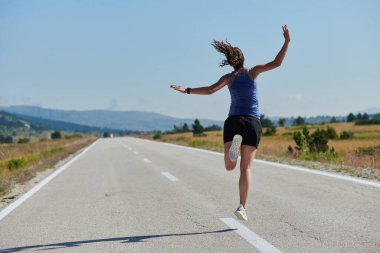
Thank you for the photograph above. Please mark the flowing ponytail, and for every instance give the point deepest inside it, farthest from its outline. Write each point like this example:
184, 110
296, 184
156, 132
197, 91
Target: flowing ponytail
234, 56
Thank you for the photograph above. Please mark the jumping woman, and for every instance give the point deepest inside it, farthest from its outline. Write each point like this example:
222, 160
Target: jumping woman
242, 128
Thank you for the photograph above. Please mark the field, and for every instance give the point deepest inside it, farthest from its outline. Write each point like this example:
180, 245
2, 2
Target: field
359, 156
20, 162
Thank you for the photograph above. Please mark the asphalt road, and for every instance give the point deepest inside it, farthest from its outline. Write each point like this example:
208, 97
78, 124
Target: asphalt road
132, 195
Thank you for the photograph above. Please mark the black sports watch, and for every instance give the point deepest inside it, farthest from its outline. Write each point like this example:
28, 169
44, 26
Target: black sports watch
188, 90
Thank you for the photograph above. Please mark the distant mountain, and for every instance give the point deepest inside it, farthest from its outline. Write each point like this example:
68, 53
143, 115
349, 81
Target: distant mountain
374, 110
120, 120
10, 123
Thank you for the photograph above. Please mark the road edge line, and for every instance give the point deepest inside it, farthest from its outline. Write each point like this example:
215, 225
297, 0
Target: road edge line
281, 165
9, 208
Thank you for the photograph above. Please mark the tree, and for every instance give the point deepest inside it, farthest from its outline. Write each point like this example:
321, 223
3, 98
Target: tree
282, 122
299, 121
333, 120
6, 139
365, 116
197, 127
213, 128
265, 122
351, 117
56, 135
185, 128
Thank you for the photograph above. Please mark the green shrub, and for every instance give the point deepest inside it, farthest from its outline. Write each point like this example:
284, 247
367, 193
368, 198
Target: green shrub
23, 140
318, 141
17, 163
53, 151
331, 133
157, 135
270, 131
314, 143
56, 135
346, 135
197, 143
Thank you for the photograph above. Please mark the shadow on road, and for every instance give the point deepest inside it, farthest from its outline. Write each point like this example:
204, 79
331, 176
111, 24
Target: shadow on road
127, 239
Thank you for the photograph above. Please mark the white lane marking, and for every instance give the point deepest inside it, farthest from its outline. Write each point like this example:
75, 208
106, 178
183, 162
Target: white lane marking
135, 152
32, 191
146, 160
285, 166
125, 146
254, 239
169, 176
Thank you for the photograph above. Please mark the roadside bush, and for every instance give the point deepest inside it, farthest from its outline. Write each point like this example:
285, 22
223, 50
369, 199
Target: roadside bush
56, 135
331, 133
157, 135
313, 146
270, 131
17, 163
346, 135
197, 143
53, 151
23, 140
318, 141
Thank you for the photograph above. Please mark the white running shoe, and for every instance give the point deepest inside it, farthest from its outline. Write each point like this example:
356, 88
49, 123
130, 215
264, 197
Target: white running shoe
240, 213
234, 151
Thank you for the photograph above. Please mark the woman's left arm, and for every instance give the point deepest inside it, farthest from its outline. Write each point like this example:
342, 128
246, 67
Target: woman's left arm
223, 81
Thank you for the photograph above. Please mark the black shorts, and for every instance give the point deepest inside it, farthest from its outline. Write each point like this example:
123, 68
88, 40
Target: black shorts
248, 127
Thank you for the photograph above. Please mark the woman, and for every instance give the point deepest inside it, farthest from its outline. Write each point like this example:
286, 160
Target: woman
242, 128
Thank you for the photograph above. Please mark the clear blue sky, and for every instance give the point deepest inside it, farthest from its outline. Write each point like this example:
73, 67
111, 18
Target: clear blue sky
123, 55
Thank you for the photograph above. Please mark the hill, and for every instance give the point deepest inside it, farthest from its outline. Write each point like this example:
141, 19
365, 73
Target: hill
12, 124
120, 120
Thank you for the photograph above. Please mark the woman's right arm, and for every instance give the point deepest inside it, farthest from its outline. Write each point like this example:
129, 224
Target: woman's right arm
255, 71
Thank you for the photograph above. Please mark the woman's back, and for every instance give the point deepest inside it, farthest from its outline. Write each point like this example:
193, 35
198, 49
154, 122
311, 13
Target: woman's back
244, 97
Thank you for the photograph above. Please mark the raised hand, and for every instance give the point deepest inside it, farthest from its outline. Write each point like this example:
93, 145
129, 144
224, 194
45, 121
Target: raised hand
286, 33
178, 88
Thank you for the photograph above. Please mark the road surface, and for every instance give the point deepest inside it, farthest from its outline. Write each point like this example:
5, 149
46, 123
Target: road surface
132, 195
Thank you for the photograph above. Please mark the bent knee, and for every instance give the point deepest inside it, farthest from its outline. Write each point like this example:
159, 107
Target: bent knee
230, 167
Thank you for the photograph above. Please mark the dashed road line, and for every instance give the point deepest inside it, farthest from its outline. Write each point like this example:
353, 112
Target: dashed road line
283, 166
250, 236
169, 176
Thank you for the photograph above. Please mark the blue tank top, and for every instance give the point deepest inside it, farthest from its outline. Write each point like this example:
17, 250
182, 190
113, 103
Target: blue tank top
244, 97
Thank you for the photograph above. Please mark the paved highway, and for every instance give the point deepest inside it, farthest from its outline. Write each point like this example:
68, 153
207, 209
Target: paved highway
132, 195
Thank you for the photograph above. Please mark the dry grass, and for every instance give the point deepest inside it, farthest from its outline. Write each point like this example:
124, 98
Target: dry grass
276, 147
20, 162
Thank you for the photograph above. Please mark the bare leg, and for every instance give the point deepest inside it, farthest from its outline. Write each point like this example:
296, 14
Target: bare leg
230, 165
247, 155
